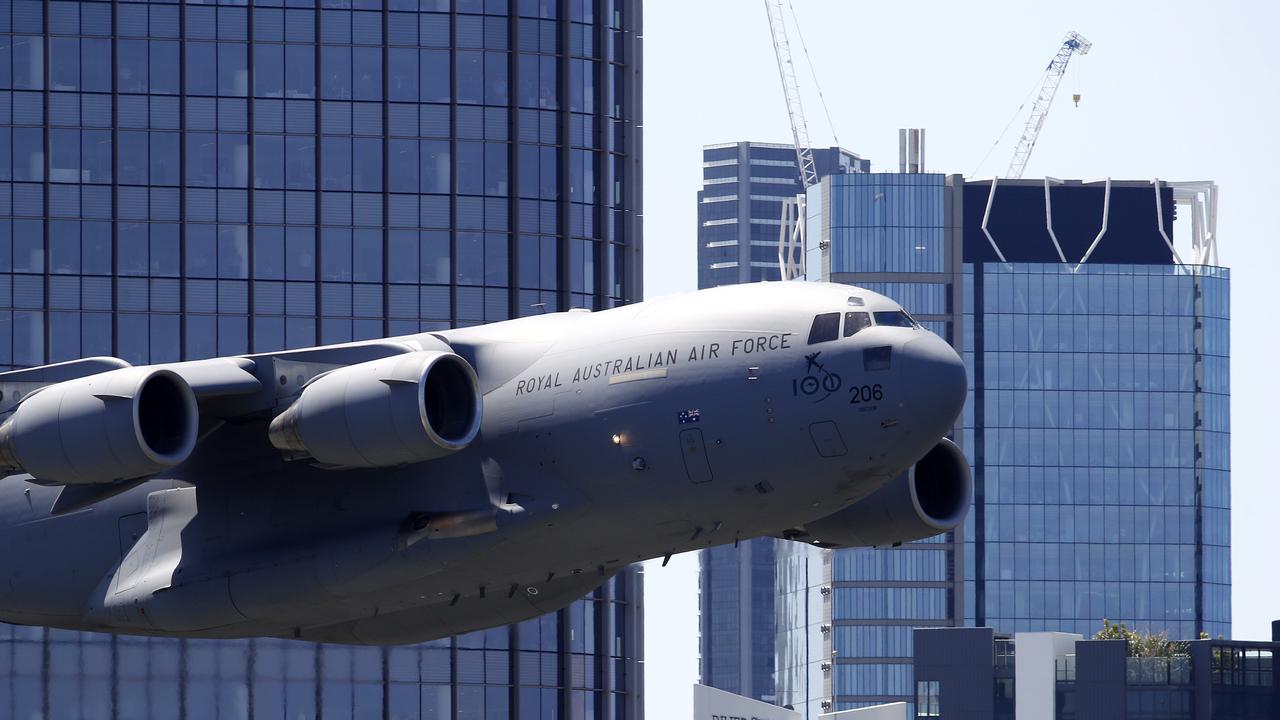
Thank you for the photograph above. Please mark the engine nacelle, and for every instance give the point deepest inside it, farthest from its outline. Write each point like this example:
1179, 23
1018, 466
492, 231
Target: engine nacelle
391, 411
930, 498
117, 425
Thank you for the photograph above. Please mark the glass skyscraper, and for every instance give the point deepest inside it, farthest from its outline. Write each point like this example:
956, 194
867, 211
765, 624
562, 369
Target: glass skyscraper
180, 180
1098, 427
740, 206
739, 217
736, 602
1097, 423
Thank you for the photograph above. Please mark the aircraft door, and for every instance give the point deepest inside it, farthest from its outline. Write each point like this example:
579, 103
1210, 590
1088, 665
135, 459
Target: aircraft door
827, 439
694, 453
131, 528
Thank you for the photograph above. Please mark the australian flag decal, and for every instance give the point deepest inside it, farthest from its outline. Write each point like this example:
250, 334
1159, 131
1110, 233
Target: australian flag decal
689, 416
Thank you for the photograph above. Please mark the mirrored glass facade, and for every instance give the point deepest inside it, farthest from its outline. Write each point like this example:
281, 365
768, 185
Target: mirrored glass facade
180, 180
740, 206
736, 598
580, 662
1099, 422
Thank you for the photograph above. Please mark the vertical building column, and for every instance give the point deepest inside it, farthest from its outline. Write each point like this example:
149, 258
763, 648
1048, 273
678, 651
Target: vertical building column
563, 128
1202, 680
979, 455
605, 621
1198, 435
386, 174
633, 136
45, 173
514, 306
744, 212
513, 667
249, 663
385, 653
251, 186
633, 656
953, 237
564, 656
604, 167
182, 679
1035, 669
317, 188
182, 202
1101, 688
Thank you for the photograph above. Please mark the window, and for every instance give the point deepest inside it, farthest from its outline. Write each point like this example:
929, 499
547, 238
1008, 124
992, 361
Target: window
895, 318
928, 703
825, 327
855, 321
876, 358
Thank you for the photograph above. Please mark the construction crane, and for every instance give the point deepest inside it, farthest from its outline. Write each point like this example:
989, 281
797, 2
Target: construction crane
791, 91
792, 231
1074, 44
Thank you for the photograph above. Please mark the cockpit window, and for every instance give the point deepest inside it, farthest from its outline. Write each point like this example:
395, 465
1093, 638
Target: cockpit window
876, 358
855, 321
895, 318
855, 301
825, 327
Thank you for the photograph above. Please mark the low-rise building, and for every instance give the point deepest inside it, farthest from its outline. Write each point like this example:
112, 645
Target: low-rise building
964, 673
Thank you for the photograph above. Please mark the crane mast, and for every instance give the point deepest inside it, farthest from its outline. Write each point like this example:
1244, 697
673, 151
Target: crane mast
791, 231
791, 91
1074, 44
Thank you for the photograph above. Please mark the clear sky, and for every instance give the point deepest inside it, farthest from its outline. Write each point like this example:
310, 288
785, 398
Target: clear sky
1175, 90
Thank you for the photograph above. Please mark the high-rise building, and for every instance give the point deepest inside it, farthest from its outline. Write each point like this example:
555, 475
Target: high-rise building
740, 206
736, 604
1096, 423
180, 180
739, 218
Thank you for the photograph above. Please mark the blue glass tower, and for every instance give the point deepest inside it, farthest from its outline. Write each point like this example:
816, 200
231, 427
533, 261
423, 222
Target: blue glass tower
740, 206
739, 216
1097, 424
736, 601
186, 179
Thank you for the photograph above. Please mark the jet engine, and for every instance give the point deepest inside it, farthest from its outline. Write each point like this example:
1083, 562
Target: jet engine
931, 497
391, 411
117, 425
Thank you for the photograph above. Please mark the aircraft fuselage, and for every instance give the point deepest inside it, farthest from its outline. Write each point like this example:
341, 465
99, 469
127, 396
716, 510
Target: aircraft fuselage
607, 438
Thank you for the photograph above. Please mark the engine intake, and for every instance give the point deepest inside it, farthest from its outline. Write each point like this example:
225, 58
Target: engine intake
117, 425
391, 411
931, 497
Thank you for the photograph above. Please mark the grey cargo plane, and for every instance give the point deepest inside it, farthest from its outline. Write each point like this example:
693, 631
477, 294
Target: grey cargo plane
399, 490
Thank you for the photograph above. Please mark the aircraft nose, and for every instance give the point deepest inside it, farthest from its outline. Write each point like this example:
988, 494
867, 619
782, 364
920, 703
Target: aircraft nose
935, 382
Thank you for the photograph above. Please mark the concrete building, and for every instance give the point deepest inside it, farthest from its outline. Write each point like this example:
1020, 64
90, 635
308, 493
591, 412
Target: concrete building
740, 206
715, 704
974, 673
184, 180
1096, 341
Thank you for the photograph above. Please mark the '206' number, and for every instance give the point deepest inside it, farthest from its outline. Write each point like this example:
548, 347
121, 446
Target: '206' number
865, 393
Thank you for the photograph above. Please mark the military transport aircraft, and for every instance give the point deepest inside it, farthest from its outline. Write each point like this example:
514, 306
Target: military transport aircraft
399, 490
